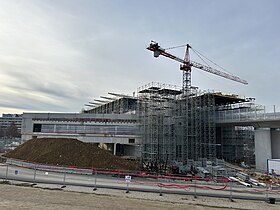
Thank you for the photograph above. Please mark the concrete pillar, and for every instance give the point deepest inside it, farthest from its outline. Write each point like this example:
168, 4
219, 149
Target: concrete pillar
262, 147
275, 143
115, 148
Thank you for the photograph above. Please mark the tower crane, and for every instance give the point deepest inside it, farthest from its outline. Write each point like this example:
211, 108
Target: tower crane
187, 65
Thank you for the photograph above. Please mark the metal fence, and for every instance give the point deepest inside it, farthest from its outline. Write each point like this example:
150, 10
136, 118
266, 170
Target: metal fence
35, 174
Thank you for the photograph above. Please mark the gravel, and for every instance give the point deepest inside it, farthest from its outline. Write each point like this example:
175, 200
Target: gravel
53, 197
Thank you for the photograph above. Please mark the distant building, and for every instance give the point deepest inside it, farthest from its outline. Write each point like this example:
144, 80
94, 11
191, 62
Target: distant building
7, 119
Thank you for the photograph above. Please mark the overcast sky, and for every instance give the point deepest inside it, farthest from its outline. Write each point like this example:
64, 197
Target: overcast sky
57, 55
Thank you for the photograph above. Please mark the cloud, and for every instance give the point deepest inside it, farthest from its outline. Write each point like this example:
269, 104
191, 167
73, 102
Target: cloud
58, 55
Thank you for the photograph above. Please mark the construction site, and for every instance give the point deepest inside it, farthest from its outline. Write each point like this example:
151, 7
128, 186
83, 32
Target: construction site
169, 127
178, 124
162, 129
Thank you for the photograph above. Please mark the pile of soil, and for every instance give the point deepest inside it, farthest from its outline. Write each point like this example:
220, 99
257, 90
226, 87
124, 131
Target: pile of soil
70, 152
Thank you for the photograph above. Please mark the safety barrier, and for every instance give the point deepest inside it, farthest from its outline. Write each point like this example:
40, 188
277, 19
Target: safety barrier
130, 181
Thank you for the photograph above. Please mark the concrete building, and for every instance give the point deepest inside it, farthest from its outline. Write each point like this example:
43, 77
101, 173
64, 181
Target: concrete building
162, 124
115, 132
174, 126
266, 126
7, 119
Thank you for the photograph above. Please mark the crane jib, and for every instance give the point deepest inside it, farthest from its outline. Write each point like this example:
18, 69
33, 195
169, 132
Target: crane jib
217, 72
160, 51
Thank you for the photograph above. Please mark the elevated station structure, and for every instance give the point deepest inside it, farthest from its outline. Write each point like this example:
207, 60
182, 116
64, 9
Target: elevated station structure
174, 126
161, 125
265, 125
115, 132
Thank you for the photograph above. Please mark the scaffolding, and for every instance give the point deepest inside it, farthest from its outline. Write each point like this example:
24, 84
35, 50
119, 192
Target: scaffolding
155, 111
175, 126
238, 144
196, 126
181, 126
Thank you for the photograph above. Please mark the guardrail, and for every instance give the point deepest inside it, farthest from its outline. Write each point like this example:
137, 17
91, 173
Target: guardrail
133, 181
248, 114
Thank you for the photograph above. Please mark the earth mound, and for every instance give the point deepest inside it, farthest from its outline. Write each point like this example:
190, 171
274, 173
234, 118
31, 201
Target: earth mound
70, 152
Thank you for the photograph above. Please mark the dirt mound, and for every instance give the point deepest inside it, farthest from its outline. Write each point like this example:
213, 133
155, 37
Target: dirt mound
70, 152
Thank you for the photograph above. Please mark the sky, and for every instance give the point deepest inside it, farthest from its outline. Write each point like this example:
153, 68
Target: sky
57, 55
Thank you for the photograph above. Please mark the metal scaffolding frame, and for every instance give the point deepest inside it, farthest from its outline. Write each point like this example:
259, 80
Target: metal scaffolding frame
238, 143
178, 126
155, 111
196, 126
175, 126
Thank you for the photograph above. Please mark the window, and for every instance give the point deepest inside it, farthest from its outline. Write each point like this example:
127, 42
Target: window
131, 141
37, 127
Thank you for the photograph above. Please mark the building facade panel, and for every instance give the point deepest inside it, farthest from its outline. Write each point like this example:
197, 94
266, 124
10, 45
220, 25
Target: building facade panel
113, 129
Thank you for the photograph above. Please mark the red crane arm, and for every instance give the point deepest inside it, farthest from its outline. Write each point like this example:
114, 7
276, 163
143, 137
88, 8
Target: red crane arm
160, 51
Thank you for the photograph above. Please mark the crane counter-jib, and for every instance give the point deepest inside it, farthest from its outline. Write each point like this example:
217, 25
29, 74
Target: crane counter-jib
160, 51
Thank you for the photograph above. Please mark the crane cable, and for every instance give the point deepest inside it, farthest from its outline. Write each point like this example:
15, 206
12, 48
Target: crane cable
200, 55
169, 48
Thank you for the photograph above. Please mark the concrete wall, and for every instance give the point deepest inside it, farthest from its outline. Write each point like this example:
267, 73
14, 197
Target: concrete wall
275, 143
262, 147
132, 150
120, 121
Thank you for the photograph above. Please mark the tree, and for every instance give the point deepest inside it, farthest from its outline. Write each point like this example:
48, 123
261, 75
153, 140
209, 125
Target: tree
2, 132
12, 131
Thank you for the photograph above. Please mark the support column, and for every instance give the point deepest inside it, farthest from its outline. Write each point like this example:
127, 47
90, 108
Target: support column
262, 147
275, 143
115, 148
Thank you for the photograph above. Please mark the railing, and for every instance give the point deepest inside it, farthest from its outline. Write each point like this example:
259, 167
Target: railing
248, 114
34, 173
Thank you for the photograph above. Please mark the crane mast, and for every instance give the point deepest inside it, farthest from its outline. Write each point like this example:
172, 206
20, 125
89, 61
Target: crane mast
186, 68
187, 65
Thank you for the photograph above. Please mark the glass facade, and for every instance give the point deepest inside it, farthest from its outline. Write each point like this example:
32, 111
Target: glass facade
87, 129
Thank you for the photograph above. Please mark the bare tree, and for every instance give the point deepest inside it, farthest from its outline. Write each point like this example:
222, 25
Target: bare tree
2, 132
12, 131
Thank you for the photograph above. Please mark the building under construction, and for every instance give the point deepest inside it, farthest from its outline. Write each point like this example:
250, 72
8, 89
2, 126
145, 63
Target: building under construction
179, 123
174, 126
166, 124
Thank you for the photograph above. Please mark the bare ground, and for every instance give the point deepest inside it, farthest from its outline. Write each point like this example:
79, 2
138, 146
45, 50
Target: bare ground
70, 152
19, 197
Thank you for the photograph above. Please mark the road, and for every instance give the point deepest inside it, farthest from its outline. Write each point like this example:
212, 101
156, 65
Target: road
161, 186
